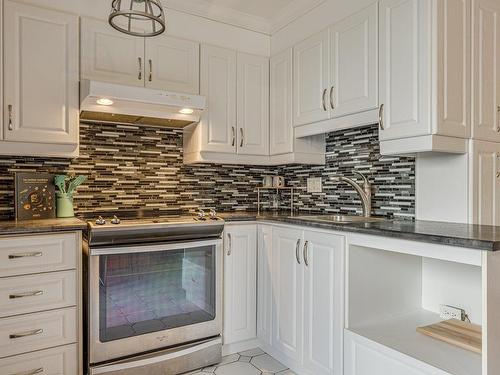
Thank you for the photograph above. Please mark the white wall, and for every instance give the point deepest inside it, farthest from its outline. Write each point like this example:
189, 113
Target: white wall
179, 24
314, 21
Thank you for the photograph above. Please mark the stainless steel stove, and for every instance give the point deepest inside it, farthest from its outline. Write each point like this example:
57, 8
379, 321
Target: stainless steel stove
153, 292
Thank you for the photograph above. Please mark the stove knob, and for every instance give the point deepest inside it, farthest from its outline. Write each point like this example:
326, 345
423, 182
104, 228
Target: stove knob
213, 214
201, 215
115, 220
100, 221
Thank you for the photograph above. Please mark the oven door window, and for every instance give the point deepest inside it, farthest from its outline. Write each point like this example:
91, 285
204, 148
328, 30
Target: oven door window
148, 292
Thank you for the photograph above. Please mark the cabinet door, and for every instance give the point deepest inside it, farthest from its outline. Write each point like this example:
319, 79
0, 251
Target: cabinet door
253, 105
354, 64
323, 303
281, 129
264, 283
110, 56
311, 81
485, 183
486, 70
173, 64
287, 293
240, 281
218, 84
405, 74
41, 89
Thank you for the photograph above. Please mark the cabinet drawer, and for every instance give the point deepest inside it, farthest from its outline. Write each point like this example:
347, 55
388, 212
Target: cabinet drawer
27, 333
34, 254
27, 294
57, 361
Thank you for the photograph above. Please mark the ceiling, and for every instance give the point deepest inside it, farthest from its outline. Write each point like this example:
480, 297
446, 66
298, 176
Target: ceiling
265, 16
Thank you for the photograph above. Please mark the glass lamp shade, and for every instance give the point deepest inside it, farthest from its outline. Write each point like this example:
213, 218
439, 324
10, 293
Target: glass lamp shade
144, 18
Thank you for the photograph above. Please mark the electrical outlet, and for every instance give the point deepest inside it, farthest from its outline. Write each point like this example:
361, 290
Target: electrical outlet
450, 312
314, 185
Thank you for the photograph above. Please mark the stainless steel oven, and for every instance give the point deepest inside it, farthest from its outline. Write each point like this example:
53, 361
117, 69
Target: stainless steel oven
154, 308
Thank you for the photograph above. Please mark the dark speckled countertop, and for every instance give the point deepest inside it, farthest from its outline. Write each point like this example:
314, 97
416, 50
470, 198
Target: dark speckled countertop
480, 237
12, 227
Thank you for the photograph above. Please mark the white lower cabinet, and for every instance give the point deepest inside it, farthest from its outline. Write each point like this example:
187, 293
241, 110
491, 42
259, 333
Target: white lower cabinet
365, 357
300, 298
240, 282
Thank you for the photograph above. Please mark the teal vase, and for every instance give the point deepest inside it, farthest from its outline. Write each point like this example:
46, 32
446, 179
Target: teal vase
64, 207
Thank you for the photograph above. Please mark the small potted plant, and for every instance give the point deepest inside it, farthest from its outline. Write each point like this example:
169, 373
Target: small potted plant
66, 186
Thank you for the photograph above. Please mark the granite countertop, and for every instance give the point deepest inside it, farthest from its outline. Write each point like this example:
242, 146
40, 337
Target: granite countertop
12, 227
480, 237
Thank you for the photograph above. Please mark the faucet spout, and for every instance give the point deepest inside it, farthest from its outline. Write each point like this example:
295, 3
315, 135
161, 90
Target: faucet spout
364, 191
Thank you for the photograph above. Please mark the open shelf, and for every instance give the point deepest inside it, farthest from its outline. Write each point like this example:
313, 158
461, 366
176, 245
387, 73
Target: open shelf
399, 333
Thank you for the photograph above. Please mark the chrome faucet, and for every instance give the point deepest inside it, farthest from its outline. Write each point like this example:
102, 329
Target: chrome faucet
365, 191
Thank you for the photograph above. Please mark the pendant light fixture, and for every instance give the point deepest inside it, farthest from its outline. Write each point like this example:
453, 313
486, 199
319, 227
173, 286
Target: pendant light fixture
142, 18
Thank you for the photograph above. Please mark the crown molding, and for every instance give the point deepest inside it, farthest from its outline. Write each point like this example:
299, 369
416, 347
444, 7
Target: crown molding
204, 8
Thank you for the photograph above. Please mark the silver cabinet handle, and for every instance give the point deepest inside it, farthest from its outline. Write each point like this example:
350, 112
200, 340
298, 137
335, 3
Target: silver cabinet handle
323, 100
25, 334
229, 244
139, 77
331, 97
150, 70
297, 247
233, 132
9, 108
305, 253
498, 119
242, 137
30, 372
26, 294
26, 255
381, 117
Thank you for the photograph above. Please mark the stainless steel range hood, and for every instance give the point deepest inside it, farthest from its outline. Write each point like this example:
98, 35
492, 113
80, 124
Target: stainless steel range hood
109, 102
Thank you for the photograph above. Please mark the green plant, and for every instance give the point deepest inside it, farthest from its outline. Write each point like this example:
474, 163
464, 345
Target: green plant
68, 184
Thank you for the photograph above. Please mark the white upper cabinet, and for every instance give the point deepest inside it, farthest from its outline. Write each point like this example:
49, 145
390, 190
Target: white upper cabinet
311, 79
485, 162
425, 75
240, 282
41, 87
354, 51
486, 70
281, 129
162, 62
110, 56
218, 84
253, 104
173, 64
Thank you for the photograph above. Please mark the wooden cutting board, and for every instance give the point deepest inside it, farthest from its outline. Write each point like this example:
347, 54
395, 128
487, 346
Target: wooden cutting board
455, 332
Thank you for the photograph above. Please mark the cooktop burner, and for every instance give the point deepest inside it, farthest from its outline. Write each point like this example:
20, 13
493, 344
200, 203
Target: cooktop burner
139, 226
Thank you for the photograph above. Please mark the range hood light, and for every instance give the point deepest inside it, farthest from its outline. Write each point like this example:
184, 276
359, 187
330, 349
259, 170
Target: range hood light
104, 101
186, 111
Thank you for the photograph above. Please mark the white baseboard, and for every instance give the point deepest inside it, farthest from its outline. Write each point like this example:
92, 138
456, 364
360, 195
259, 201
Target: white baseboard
239, 346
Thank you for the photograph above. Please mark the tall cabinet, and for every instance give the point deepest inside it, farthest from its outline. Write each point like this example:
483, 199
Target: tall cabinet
40, 104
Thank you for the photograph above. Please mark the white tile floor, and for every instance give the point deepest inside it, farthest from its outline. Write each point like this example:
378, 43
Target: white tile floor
250, 362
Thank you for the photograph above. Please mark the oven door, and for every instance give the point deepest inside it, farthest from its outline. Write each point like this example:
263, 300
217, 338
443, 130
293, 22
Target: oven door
148, 297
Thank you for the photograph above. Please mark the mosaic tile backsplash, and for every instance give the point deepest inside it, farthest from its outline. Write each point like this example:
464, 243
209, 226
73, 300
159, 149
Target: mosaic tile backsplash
132, 167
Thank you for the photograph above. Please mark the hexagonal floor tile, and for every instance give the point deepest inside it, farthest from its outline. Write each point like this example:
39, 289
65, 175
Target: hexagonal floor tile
266, 363
237, 368
252, 352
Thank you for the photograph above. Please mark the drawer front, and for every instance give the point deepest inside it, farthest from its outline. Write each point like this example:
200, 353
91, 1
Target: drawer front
57, 361
27, 333
33, 293
34, 254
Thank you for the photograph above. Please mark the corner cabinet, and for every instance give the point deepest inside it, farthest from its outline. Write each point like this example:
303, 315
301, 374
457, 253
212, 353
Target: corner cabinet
161, 62
240, 282
335, 76
424, 76
41, 103
301, 317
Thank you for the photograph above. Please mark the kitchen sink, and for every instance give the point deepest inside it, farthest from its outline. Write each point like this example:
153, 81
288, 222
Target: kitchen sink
340, 219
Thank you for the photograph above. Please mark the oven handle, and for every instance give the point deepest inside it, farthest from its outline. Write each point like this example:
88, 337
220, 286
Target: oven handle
134, 363
152, 247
